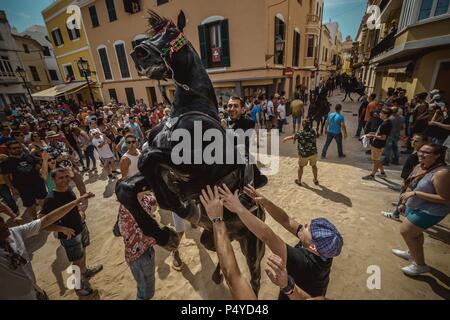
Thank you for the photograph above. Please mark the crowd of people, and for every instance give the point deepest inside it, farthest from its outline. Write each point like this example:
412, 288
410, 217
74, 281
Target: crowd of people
46, 152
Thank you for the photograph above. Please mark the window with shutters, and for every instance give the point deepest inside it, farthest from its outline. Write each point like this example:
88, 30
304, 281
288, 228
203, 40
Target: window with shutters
130, 97
112, 94
53, 74
74, 33
46, 51
94, 17
57, 37
5, 67
122, 60
111, 10
214, 44
280, 41
34, 73
68, 70
310, 52
105, 63
132, 6
296, 53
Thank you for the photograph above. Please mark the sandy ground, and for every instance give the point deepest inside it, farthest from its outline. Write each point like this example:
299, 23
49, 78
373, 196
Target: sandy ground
352, 204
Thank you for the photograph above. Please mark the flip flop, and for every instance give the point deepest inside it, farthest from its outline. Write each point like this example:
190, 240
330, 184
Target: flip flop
298, 183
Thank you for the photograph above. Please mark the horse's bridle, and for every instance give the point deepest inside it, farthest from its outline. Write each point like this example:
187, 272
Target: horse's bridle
174, 46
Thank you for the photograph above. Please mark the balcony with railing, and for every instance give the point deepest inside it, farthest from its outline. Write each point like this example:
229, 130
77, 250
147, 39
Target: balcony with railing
388, 43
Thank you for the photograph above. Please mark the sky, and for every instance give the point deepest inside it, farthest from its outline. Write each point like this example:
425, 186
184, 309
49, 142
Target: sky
347, 12
24, 13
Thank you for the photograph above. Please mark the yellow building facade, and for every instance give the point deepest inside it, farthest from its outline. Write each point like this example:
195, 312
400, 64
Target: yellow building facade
69, 47
413, 50
250, 62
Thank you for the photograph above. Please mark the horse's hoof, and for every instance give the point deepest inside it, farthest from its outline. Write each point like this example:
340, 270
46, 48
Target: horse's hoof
217, 277
173, 240
261, 181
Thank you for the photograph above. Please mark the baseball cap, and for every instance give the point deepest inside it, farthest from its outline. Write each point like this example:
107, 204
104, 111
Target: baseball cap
326, 238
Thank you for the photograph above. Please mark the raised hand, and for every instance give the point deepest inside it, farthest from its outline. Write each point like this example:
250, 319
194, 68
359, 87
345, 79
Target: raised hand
210, 199
230, 201
252, 193
277, 271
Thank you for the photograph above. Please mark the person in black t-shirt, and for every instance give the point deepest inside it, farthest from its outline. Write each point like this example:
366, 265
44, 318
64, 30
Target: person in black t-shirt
74, 234
23, 178
309, 262
378, 141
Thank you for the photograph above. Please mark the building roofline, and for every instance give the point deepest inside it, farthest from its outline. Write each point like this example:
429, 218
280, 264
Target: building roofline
27, 38
50, 6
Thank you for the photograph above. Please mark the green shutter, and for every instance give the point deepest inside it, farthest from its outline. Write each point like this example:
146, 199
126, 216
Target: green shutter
225, 43
203, 37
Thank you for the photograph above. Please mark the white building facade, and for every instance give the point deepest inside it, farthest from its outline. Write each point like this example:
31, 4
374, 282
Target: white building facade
12, 89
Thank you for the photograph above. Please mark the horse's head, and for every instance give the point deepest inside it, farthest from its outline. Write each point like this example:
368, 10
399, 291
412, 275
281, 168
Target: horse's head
152, 56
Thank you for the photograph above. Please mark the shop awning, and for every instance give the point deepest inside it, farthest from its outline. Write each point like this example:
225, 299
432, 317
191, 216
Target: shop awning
60, 89
397, 68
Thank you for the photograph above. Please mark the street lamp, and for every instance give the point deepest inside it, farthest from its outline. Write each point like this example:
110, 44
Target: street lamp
22, 74
279, 44
84, 66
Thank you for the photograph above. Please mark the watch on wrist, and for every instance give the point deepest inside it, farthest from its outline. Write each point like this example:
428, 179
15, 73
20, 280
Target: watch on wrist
216, 219
290, 286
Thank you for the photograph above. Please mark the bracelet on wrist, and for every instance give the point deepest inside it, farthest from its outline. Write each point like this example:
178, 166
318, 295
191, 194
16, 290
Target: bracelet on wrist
216, 219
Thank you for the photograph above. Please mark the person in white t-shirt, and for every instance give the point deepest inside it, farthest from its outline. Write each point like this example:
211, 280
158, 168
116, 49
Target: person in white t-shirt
17, 278
102, 143
281, 111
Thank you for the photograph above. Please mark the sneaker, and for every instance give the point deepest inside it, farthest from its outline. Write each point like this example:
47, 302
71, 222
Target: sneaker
382, 174
414, 269
404, 254
90, 272
369, 177
391, 215
115, 172
177, 263
342, 156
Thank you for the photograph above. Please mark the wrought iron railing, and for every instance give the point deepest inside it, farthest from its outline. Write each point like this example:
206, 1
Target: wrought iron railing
384, 45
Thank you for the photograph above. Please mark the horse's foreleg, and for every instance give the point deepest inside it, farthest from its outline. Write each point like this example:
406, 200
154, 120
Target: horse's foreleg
253, 250
127, 191
152, 164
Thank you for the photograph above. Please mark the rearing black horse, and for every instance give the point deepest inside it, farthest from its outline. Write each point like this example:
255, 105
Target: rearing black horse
168, 55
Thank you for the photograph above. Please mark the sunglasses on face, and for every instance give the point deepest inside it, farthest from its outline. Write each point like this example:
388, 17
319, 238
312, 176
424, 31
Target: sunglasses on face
131, 142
